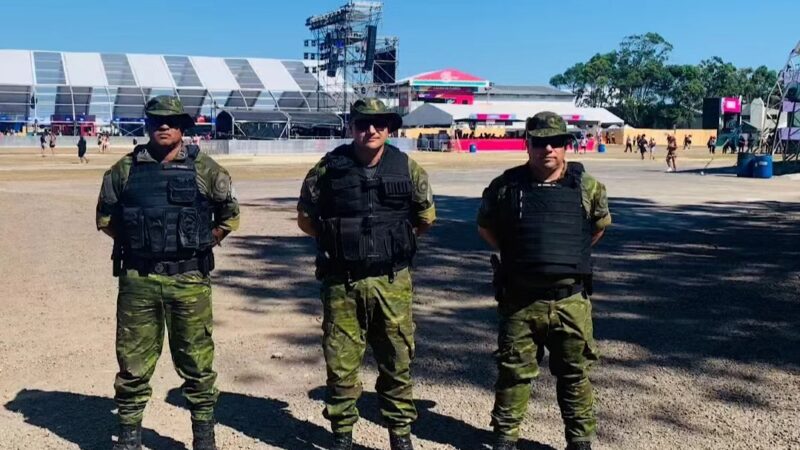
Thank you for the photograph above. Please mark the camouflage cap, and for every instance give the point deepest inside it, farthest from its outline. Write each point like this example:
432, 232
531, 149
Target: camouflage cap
372, 107
168, 106
546, 124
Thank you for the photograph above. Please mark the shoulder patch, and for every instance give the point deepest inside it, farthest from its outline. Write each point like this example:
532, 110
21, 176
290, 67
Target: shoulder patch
222, 189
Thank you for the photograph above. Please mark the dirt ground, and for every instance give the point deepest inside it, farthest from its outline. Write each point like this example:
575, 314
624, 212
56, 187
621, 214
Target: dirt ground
696, 312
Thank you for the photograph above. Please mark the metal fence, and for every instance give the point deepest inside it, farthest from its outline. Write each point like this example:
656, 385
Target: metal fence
65, 141
217, 147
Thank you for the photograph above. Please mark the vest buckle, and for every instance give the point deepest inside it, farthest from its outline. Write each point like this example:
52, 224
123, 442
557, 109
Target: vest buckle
159, 268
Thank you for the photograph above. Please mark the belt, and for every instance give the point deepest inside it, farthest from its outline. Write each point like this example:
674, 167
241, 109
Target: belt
362, 272
204, 264
550, 293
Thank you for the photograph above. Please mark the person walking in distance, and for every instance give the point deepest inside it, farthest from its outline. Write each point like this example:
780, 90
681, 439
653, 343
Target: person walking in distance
642, 144
52, 143
672, 150
82, 151
42, 142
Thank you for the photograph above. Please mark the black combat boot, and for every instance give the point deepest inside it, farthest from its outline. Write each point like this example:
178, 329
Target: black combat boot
130, 438
579, 446
342, 441
203, 435
400, 442
501, 443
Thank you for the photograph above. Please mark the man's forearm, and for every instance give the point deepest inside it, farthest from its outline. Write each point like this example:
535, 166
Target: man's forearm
597, 235
306, 224
422, 228
489, 237
108, 231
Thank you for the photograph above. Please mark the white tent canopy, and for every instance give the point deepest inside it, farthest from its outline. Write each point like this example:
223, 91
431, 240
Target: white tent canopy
518, 110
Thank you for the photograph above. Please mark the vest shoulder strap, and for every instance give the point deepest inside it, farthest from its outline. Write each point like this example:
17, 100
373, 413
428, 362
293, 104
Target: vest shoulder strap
339, 158
192, 151
394, 162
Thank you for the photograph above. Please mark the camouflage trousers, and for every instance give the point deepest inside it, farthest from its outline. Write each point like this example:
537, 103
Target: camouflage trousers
564, 327
145, 307
374, 311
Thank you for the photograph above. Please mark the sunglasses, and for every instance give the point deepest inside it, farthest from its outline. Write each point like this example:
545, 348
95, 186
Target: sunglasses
170, 122
555, 142
365, 124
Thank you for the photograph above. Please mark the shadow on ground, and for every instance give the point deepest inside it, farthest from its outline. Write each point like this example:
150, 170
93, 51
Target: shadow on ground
84, 420
268, 420
686, 283
432, 426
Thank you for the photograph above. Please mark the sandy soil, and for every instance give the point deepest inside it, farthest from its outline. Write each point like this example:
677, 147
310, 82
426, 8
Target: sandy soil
696, 313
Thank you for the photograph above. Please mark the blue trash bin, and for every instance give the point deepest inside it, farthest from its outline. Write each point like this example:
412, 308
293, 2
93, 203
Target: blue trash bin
744, 164
473, 148
601, 148
762, 166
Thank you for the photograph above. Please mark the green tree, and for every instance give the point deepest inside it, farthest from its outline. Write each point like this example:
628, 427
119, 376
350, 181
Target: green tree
684, 95
720, 78
591, 82
637, 83
641, 76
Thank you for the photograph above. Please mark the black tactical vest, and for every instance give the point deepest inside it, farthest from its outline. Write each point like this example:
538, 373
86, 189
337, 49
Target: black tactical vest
545, 230
162, 215
365, 226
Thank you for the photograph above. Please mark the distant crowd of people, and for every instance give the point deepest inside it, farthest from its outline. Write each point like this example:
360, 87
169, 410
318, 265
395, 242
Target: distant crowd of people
647, 146
48, 139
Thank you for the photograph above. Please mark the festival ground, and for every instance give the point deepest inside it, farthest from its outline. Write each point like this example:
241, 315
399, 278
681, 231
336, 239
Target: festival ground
696, 312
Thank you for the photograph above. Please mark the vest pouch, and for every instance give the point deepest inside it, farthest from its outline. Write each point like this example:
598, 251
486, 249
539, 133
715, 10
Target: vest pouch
182, 190
189, 228
156, 229
347, 195
396, 192
205, 239
171, 223
352, 239
403, 241
328, 239
133, 226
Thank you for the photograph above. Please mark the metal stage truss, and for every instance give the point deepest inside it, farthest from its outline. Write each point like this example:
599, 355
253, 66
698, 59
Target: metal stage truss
352, 61
783, 131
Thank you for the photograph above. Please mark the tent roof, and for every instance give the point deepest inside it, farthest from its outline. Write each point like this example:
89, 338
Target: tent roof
502, 89
427, 115
446, 78
518, 111
296, 117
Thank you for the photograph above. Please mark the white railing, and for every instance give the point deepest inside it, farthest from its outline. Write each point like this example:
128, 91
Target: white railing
214, 147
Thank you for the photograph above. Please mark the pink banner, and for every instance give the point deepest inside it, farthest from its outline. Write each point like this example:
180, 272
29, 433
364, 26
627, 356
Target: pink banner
490, 145
731, 105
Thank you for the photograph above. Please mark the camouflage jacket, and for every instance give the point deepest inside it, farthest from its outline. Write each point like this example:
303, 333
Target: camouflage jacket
212, 179
424, 209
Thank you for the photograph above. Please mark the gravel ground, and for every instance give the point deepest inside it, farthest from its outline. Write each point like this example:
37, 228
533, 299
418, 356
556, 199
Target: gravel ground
696, 314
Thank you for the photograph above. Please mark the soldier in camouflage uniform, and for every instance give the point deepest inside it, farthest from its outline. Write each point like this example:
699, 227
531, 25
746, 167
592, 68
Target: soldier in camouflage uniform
544, 217
165, 205
366, 203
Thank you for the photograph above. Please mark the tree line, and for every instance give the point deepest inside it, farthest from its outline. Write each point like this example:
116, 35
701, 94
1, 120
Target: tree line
637, 83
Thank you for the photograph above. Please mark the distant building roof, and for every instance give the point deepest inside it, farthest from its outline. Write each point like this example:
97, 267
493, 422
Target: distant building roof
507, 89
445, 78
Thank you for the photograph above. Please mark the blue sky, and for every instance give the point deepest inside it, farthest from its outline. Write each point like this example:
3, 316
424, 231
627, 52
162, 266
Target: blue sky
506, 41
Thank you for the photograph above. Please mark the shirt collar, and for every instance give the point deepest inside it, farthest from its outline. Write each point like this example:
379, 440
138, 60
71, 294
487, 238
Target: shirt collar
561, 176
143, 155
